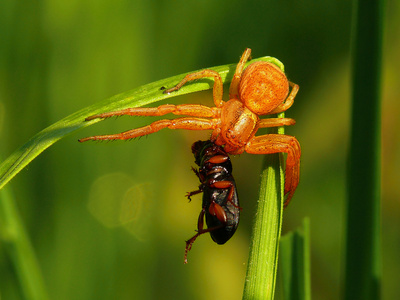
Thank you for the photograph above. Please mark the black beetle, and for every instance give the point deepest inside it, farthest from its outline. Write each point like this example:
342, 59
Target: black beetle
220, 199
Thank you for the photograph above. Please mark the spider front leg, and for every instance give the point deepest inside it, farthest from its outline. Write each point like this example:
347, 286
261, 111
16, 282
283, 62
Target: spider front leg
276, 143
180, 123
218, 88
234, 87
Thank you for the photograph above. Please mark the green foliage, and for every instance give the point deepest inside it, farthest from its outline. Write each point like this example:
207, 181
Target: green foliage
363, 246
20, 250
57, 57
295, 264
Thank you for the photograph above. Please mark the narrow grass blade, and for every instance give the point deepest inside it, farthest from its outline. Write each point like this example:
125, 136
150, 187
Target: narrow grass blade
363, 258
294, 263
140, 96
15, 239
263, 258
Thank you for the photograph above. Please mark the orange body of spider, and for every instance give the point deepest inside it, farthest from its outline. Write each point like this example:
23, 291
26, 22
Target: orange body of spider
260, 89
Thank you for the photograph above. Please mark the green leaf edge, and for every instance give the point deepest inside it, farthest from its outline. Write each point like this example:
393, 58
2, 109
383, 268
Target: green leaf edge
139, 96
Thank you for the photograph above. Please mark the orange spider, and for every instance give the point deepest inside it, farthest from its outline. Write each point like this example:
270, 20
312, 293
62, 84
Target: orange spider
260, 89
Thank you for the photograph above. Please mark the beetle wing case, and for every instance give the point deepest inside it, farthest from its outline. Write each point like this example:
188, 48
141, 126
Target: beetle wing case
231, 208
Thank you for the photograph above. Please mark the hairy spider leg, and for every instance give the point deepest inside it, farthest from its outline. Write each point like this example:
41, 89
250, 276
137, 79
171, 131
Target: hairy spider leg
218, 88
234, 87
289, 100
179, 123
276, 122
276, 143
194, 110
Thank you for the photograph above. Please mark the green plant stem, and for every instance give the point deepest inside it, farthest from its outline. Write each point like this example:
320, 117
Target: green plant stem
20, 250
295, 264
363, 259
263, 258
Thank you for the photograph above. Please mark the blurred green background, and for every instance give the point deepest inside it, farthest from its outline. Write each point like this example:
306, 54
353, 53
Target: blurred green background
109, 220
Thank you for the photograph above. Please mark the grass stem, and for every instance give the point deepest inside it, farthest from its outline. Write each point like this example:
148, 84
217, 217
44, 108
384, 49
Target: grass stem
20, 250
263, 258
363, 259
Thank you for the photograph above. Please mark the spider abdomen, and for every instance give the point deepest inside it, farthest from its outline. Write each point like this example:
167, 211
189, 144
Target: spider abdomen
263, 87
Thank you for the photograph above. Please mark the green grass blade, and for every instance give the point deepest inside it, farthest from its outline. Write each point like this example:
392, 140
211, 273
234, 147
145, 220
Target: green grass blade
263, 258
17, 244
294, 263
363, 259
140, 96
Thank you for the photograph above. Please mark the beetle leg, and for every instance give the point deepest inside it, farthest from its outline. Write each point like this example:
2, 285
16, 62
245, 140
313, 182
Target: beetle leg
180, 123
200, 190
194, 110
190, 194
200, 231
189, 242
275, 143
234, 87
289, 100
217, 88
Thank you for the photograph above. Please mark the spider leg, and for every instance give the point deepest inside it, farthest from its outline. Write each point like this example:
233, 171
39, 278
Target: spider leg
276, 122
276, 143
180, 123
217, 89
194, 110
233, 89
289, 100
